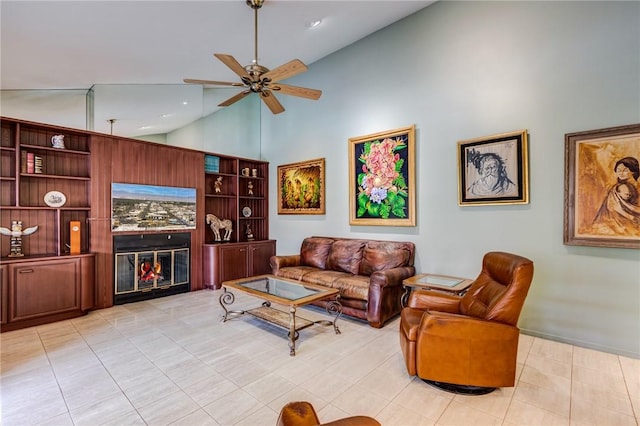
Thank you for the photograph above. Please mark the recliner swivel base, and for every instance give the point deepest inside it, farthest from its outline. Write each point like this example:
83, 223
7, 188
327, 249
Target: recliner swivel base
460, 389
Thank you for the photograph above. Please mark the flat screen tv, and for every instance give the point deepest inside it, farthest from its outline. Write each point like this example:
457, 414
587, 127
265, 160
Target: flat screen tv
151, 208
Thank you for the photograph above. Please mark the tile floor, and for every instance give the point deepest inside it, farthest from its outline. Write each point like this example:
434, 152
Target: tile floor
172, 361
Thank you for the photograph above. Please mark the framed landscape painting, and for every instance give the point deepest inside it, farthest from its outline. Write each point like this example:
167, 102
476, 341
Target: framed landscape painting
493, 170
382, 178
601, 194
301, 187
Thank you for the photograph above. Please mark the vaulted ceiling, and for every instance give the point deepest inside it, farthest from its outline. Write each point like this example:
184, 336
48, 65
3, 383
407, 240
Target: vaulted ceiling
79, 44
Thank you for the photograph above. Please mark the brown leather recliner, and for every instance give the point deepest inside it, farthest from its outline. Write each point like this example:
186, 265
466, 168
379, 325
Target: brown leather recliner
468, 344
301, 413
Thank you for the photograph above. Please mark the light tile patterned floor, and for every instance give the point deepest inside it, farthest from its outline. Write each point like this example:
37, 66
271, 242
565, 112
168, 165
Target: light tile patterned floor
172, 361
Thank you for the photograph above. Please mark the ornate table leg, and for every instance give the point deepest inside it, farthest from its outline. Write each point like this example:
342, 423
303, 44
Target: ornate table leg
405, 296
334, 308
292, 331
227, 298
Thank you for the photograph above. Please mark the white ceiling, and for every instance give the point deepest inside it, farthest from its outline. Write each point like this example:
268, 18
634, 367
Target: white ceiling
79, 44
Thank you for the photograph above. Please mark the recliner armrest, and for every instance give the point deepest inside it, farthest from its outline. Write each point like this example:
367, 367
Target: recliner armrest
433, 300
277, 262
451, 325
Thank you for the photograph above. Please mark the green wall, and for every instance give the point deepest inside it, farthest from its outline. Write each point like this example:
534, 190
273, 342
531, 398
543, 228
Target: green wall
460, 70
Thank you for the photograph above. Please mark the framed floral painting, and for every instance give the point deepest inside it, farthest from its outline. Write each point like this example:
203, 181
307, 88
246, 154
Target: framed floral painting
382, 178
301, 187
602, 187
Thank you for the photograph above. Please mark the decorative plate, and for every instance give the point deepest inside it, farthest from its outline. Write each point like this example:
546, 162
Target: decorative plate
246, 211
55, 199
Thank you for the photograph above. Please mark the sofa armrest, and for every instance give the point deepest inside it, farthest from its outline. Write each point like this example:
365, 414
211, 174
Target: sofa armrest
385, 292
391, 277
433, 300
277, 262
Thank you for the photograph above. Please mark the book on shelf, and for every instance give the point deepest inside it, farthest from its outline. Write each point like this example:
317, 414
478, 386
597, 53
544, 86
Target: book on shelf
30, 162
211, 163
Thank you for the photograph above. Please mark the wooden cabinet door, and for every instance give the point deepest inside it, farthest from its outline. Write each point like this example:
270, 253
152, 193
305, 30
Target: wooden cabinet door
4, 296
44, 288
260, 255
233, 262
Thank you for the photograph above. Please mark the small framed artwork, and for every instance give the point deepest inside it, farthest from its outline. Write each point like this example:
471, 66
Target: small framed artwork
301, 187
601, 191
382, 178
493, 170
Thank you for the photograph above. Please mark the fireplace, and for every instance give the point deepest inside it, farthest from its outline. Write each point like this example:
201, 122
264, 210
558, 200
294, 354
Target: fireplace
151, 265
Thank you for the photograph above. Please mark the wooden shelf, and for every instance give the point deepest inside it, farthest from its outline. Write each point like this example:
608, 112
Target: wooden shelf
22, 194
51, 149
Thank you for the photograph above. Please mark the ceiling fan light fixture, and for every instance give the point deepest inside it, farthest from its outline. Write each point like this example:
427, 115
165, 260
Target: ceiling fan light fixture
255, 4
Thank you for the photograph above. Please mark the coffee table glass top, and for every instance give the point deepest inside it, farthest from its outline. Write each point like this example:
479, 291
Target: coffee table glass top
273, 288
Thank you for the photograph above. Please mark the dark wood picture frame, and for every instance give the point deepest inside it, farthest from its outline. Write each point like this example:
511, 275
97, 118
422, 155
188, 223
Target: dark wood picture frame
494, 170
383, 197
601, 201
301, 187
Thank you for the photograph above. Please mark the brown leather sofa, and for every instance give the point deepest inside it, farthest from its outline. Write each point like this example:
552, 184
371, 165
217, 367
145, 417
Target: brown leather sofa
368, 273
468, 344
301, 413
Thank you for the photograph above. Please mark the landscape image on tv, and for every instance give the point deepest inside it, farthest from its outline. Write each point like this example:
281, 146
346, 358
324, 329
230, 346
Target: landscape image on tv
147, 207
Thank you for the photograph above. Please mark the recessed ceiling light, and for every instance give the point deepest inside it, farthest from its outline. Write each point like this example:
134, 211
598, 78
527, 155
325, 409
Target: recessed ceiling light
144, 127
165, 115
313, 24
185, 103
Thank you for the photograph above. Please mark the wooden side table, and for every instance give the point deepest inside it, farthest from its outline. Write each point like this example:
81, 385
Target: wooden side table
446, 283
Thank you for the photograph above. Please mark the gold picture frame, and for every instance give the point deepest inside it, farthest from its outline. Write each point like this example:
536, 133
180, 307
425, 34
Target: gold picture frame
601, 200
382, 184
301, 187
494, 170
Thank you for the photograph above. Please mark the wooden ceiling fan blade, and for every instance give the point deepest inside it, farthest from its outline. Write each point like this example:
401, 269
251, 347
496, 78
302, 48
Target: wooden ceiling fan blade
234, 98
270, 100
303, 92
285, 71
232, 63
212, 82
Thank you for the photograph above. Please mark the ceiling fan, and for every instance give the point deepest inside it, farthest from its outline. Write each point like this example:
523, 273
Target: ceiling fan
259, 79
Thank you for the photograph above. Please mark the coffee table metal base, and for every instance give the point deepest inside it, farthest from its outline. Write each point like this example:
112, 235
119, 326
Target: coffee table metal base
287, 320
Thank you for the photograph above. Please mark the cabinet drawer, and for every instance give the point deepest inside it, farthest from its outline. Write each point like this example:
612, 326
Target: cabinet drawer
44, 288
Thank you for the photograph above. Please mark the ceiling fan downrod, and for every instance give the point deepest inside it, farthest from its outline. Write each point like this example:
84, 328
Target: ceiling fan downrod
255, 5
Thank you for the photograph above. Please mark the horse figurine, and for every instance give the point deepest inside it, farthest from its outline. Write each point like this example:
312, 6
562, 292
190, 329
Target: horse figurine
217, 224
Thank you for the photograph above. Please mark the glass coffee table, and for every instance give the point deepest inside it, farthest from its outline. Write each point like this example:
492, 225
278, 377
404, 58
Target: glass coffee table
285, 292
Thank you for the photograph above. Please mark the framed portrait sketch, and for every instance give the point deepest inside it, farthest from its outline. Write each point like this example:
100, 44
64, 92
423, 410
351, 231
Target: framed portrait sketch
601, 201
382, 178
301, 187
493, 170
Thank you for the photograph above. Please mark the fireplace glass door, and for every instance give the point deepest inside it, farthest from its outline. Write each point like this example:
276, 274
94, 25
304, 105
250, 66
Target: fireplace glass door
149, 270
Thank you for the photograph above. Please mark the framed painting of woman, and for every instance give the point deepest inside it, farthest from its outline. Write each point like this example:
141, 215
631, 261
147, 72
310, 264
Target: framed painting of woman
602, 187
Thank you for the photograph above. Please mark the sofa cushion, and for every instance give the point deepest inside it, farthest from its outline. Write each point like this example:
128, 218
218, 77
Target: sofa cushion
353, 287
383, 255
314, 251
345, 256
324, 277
295, 272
